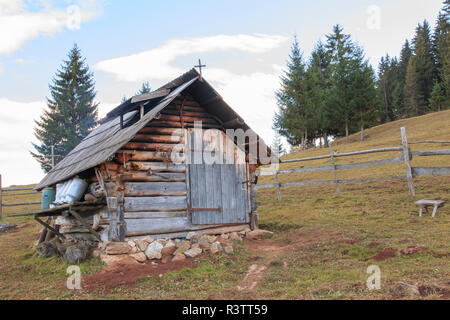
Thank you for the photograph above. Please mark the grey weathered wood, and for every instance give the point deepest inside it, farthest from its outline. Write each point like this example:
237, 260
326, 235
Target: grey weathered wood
406, 158
345, 154
431, 153
165, 203
309, 183
338, 191
430, 141
155, 166
141, 189
278, 184
155, 226
154, 214
218, 186
418, 171
19, 204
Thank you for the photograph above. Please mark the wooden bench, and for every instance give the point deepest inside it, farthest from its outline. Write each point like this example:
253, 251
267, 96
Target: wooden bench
429, 203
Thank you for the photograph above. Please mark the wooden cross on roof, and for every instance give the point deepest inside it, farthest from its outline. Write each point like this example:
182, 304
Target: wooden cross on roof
200, 66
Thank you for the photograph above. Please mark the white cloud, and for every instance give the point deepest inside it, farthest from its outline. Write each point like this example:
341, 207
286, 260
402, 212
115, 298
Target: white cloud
17, 25
17, 166
250, 94
156, 63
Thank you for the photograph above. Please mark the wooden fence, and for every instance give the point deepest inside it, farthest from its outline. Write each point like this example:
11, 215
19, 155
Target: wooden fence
404, 157
12, 192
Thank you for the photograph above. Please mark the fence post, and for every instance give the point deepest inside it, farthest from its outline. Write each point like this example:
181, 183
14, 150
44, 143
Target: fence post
277, 183
406, 157
334, 171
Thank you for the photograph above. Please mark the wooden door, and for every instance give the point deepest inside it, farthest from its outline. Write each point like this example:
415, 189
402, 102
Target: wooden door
218, 191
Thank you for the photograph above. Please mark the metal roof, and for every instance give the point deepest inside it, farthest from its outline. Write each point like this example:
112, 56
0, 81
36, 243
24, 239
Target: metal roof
105, 140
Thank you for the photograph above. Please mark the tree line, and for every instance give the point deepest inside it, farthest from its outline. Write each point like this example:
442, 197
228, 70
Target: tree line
336, 92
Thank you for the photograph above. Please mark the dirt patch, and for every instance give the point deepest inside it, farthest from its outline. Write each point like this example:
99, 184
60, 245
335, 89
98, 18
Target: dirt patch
384, 254
348, 241
252, 278
409, 250
126, 274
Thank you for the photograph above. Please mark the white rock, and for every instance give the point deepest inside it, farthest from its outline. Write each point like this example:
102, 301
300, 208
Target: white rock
193, 252
228, 249
153, 250
141, 244
170, 243
216, 247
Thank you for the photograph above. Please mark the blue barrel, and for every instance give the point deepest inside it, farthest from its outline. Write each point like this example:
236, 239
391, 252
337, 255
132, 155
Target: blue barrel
48, 196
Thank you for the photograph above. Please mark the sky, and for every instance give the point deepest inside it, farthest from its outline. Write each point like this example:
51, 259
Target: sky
245, 45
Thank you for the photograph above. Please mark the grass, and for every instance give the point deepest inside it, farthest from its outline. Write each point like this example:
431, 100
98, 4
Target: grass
330, 239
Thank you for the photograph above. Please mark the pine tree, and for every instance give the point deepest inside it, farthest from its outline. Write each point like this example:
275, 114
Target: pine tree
424, 63
441, 43
398, 92
414, 99
72, 112
317, 81
291, 119
438, 98
145, 88
277, 146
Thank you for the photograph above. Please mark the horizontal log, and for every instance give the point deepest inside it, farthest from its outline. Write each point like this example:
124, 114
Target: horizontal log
166, 203
137, 227
198, 113
154, 177
309, 183
431, 153
19, 204
151, 146
430, 141
155, 166
418, 171
16, 189
168, 117
135, 155
338, 167
154, 214
173, 124
142, 189
164, 131
157, 138
206, 230
345, 154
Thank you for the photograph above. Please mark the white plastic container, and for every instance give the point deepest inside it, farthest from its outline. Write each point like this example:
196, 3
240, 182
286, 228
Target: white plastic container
75, 190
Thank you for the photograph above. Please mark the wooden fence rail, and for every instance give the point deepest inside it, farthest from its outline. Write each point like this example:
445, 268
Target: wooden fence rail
405, 156
10, 192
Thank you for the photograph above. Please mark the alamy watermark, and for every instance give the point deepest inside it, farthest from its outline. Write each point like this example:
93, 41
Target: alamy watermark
373, 22
374, 280
74, 279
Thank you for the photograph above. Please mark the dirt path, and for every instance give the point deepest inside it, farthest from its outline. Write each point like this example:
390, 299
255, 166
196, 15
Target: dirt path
270, 251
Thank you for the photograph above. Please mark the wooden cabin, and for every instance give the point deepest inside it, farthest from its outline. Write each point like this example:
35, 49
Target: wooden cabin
128, 160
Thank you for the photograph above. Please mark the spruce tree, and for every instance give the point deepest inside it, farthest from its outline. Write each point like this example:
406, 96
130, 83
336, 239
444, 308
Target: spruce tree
414, 99
441, 43
424, 63
438, 99
291, 119
145, 88
71, 113
398, 92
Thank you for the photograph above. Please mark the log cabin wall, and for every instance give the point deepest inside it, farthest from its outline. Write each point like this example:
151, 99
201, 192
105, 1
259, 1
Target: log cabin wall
155, 190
